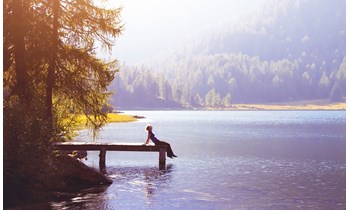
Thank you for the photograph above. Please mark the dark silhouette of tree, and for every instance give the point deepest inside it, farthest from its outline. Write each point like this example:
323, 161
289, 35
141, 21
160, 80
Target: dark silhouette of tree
18, 35
51, 74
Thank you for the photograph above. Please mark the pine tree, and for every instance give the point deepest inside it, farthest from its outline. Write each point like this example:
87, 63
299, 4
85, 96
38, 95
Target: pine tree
58, 61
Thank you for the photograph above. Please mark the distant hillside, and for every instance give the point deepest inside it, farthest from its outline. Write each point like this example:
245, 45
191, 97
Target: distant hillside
294, 50
306, 30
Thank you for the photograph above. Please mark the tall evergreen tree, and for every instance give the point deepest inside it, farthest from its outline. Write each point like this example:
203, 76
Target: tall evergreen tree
50, 71
61, 40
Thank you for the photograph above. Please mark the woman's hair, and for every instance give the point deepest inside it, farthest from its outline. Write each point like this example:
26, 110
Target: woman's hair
148, 127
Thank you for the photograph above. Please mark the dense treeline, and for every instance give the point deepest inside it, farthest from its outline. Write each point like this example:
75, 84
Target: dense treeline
225, 79
50, 74
294, 50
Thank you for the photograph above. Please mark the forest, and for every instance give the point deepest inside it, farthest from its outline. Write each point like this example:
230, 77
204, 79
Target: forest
293, 50
51, 75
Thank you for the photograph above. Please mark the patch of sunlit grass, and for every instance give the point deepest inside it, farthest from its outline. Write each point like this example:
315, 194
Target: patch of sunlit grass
119, 118
80, 121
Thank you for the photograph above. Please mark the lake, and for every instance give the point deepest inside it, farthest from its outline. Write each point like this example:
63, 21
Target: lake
226, 160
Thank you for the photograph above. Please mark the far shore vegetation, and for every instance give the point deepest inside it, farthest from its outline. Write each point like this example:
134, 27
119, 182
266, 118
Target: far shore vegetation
287, 106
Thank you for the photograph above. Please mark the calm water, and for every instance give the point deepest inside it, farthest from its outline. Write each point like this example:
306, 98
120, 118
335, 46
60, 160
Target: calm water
226, 160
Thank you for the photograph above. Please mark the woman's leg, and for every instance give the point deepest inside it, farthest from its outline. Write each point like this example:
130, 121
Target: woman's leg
169, 152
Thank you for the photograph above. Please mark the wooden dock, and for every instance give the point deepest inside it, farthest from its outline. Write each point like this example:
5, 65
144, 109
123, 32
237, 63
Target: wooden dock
104, 147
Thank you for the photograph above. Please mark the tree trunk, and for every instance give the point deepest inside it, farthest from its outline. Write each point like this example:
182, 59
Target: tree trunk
52, 62
22, 87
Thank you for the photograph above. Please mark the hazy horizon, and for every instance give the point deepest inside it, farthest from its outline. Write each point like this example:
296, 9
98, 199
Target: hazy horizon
156, 26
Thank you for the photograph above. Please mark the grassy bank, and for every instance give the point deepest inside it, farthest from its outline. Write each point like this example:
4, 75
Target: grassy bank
80, 121
119, 118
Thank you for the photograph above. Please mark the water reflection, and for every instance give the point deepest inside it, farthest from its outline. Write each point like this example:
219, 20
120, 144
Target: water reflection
139, 187
79, 199
230, 160
132, 188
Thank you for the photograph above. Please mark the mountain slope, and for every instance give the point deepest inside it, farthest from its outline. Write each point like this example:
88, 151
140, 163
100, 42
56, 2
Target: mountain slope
293, 50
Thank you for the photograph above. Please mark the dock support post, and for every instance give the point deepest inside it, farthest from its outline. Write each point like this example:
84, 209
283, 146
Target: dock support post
162, 156
102, 162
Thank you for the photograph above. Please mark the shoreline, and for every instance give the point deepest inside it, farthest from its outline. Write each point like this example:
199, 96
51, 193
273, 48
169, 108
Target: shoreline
284, 107
260, 107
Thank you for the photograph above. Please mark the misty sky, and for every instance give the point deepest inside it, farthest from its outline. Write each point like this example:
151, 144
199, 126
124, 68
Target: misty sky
155, 26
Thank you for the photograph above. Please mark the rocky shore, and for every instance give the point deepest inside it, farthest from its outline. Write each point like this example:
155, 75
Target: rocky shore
77, 174
68, 176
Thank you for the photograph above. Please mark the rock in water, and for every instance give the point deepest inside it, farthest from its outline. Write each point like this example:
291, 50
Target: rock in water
78, 174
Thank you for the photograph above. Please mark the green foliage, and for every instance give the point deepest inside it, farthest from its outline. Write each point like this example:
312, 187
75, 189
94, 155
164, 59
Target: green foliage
80, 79
51, 71
26, 151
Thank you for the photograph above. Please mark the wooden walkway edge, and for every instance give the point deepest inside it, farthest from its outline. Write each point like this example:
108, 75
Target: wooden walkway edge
104, 147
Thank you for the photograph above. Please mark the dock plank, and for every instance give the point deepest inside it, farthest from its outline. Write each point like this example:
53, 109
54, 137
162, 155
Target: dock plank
115, 146
97, 146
